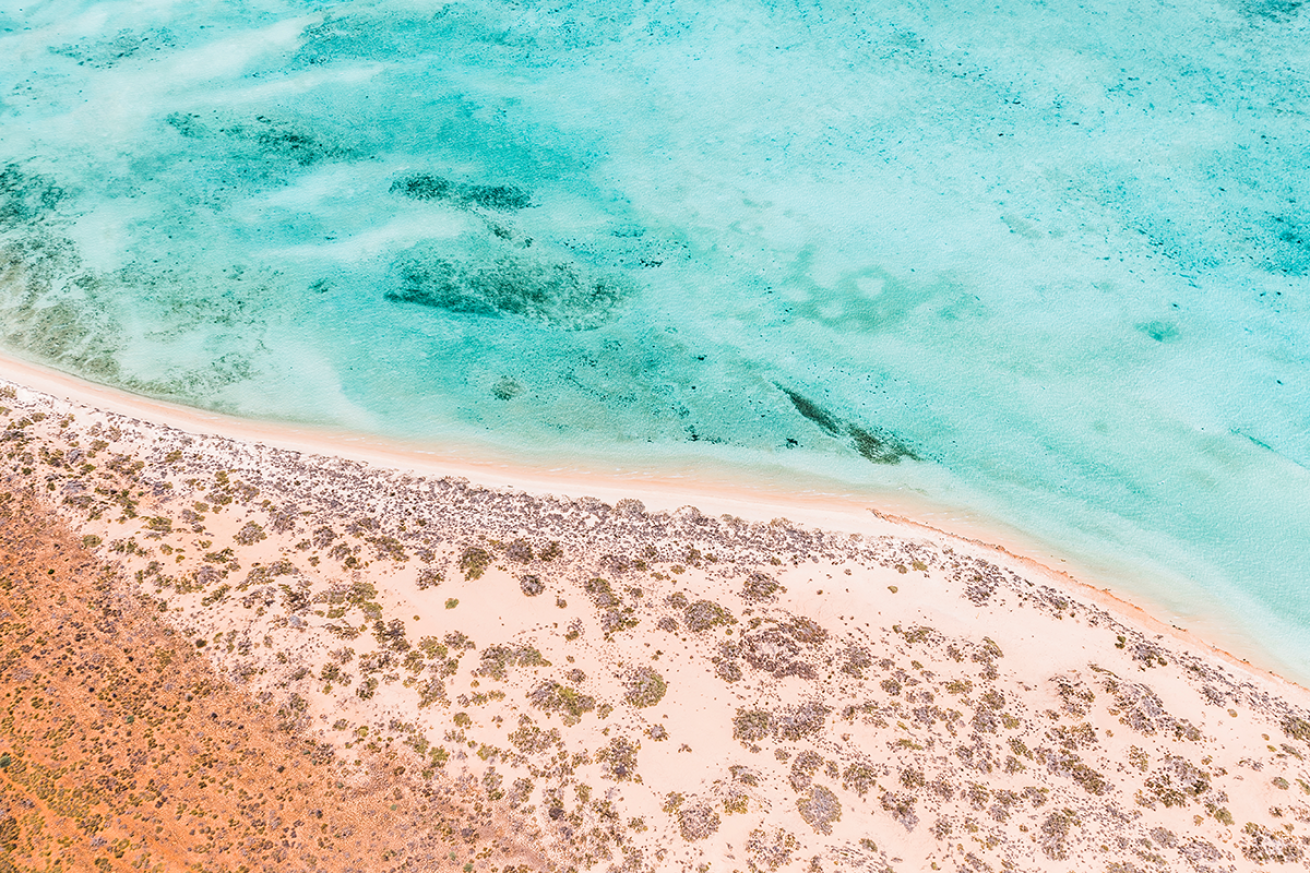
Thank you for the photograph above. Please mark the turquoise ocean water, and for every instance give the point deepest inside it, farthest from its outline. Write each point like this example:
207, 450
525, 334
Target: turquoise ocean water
1040, 262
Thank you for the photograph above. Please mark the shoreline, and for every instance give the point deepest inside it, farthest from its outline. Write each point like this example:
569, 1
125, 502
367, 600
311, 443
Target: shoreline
659, 492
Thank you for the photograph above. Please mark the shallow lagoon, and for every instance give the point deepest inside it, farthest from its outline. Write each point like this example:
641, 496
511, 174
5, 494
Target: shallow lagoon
1041, 264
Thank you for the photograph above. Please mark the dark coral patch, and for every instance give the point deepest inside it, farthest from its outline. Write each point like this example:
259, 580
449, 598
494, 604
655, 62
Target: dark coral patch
873, 444
26, 197
811, 410
559, 294
427, 187
879, 448
422, 186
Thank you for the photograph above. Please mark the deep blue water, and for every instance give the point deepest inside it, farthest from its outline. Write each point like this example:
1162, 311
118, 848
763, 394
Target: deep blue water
1044, 263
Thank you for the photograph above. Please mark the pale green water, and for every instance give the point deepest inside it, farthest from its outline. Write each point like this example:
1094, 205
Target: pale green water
1042, 262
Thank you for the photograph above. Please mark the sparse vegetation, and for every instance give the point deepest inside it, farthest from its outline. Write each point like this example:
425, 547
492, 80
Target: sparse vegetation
702, 615
760, 588
751, 725
697, 822
250, 534
496, 661
569, 703
223, 774
644, 687
619, 760
531, 585
474, 561
820, 808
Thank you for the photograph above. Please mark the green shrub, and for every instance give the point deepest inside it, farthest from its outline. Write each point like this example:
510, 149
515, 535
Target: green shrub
705, 614
644, 687
250, 534
474, 562
751, 725
496, 660
570, 703
820, 808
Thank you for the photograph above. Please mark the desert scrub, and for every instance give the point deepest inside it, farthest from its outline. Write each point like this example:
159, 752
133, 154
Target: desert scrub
751, 725
644, 687
736, 804
391, 635
159, 525
531, 585
601, 593
820, 808
1175, 782
1264, 846
727, 668
388, 548
432, 647
1055, 833
803, 767
332, 673
474, 562
856, 660
250, 533
917, 634
520, 792
705, 614
697, 822
618, 760
1139, 758
497, 660
430, 692
429, 578
614, 621
900, 806
792, 723
458, 640
221, 557
519, 551
360, 595
569, 703
859, 778
216, 595
1297, 728
530, 739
